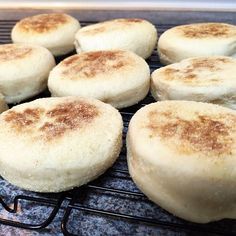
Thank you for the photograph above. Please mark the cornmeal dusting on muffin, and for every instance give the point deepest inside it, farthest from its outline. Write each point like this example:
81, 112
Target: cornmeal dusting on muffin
207, 30
88, 65
54, 123
203, 133
43, 23
11, 52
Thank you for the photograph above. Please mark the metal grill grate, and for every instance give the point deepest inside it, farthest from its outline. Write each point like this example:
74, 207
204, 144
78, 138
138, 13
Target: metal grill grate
110, 205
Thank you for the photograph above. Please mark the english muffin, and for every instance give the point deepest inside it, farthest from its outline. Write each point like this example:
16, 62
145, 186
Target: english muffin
205, 79
182, 155
194, 40
59, 143
24, 71
118, 77
136, 35
55, 31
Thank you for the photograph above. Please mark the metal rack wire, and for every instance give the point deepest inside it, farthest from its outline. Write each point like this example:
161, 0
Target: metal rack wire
111, 202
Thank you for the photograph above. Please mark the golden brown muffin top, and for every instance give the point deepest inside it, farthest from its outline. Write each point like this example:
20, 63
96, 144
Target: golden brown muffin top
207, 30
43, 23
197, 71
53, 123
10, 52
89, 65
110, 25
197, 132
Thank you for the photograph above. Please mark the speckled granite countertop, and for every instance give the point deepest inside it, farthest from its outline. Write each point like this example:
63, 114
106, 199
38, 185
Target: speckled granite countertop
90, 204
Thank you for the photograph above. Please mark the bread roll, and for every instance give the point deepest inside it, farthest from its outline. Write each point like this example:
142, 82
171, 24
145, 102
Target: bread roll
136, 35
194, 40
120, 78
59, 143
24, 71
204, 79
54, 31
182, 155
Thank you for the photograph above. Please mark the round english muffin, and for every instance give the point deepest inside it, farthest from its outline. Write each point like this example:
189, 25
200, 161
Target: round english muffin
24, 71
204, 79
136, 35
120, 78
194, 40
54, 31
59, 143
182, 155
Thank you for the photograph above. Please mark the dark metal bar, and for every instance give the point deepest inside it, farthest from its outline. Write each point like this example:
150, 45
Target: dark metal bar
41, 225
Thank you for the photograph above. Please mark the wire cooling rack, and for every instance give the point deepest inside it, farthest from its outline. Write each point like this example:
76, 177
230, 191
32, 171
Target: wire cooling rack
110, 205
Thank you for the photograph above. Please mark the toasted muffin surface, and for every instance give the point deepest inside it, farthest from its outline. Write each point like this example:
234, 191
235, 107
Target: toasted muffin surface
199, 71
9, 52
53, 123
196, 131
185, 128
89, 65
43, 23
111, 25
207, 30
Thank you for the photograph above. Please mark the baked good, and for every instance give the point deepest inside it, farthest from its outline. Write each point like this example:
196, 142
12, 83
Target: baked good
59, 143
136, 35
118, 77
204, 79
194, 40
24, 70
182, 154
55, 31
